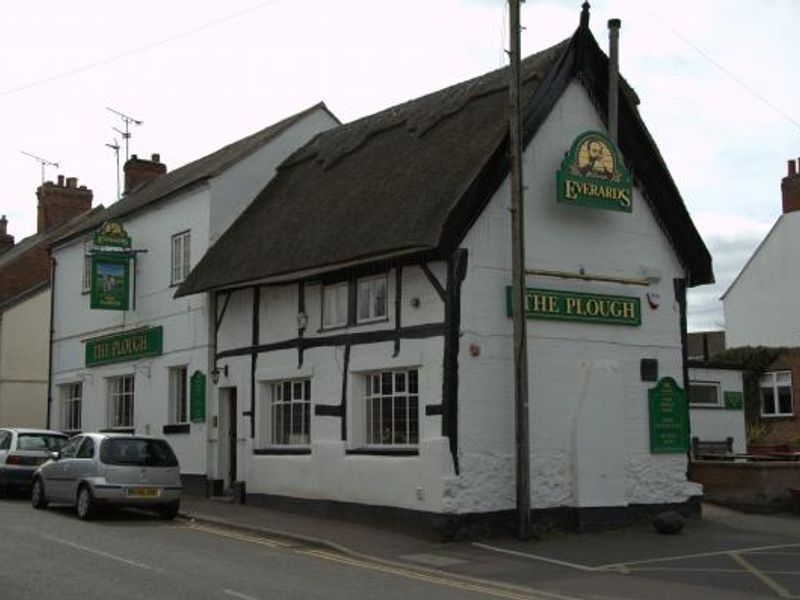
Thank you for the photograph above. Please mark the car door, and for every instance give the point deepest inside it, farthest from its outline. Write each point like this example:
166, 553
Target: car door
58, 474
5, 445
82, 466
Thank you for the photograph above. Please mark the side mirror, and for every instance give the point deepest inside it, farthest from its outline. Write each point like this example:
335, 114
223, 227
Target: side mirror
55, 455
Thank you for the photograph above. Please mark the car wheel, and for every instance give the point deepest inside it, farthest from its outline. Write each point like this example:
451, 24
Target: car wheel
85, 505
167, 512
38, 499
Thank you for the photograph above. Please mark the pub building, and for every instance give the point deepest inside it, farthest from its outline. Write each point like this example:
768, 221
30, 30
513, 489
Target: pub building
361, 323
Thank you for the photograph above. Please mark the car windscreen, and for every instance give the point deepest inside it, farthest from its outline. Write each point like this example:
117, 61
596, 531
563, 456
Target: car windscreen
137, 452
40, 441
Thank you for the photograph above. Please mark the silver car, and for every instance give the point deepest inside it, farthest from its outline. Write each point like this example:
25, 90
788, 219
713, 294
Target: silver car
107, 469
22, 451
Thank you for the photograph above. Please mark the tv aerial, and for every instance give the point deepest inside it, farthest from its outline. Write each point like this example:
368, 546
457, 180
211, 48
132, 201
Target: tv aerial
126, 135
42, 161
115, 148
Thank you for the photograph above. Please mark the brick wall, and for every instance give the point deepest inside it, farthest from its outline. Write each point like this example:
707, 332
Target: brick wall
752, 486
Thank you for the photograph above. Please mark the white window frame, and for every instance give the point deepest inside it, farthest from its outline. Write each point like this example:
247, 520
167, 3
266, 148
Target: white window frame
370, 305
86, 278
718, 403
121, 398
396, 436
180, 253
71, 398
774, 381
298, 432
178, 395
335, 304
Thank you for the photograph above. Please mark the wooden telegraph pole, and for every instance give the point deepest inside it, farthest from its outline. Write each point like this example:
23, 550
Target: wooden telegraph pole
518, 284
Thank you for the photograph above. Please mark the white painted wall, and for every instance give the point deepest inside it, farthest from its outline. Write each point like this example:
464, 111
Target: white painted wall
761, 306
717, 424
24, 341
589, 416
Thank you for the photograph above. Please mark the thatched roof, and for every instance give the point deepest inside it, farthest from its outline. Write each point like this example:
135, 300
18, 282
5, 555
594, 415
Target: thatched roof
412, 179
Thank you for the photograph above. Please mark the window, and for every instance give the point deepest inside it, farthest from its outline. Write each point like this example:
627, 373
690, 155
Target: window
334, 305
5, 440
371, 299
392, 404
120, 392
180, 256
69, 450
71, 395
704, 393
86, 281
86, 450
178, 395
291, 412
776, 394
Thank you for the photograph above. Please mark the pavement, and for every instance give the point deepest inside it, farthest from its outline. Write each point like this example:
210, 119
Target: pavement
725, 554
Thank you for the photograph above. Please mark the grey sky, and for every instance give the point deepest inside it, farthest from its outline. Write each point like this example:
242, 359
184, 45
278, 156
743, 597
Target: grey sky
204, 73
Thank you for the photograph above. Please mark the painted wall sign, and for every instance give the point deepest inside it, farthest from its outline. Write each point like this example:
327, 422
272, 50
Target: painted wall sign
197, 397
593, 174
560, 305
733, 400
110, 281
112, 234
125, 346
669, 418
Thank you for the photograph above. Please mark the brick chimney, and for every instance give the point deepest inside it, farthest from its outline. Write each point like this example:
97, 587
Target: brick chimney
6, 241
60, 202
139, 171
790, 186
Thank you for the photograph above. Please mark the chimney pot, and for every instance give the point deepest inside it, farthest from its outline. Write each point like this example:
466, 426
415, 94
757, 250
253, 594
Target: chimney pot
6, 241
156, 158
60, 181
792, 168
72, 182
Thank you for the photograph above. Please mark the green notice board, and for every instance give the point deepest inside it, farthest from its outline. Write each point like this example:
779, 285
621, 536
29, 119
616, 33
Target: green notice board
669, 418
197, 397
733, 400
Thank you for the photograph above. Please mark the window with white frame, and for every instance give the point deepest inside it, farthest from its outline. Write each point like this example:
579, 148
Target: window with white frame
180, 256
178, 395
776, 394
705, 394
86, 280
120, 401
71, 396
334, 305
371, 305
392, 408
290, 412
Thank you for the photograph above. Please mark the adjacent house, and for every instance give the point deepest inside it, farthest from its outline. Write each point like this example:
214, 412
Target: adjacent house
360, 325
25, 301
126, 355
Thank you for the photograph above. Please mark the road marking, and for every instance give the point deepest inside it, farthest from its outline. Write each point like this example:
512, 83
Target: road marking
540, 558
441, 579
126, 561
698, 555
238, 595
763, 577
239, 536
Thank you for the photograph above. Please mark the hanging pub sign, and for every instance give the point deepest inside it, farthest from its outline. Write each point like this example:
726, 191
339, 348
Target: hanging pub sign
558, 305
110, 281
111, 234
669, 418
594, 175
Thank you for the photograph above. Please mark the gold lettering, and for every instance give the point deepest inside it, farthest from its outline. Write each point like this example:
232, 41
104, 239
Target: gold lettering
629, 310
592, 307
572, 305
552, 304
615, 309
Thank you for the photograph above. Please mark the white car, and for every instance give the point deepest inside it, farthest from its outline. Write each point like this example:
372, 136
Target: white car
107, 469
22, 451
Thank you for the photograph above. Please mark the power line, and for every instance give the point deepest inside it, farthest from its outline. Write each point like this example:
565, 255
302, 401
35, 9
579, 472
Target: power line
137, 50
719, 66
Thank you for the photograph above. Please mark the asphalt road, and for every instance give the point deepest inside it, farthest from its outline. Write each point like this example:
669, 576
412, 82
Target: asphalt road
52, 555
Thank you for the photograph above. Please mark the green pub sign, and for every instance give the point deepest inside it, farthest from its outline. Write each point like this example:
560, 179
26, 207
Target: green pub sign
112, 234
733, 400
669, 418
197, 397
110, 281
594, 175
560, 305
125, 346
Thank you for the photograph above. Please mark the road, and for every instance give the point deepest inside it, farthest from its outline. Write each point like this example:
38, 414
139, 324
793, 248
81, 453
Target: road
52, 555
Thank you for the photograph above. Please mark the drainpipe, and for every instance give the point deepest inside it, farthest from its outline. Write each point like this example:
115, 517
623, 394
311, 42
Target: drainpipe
614, 26
50, 344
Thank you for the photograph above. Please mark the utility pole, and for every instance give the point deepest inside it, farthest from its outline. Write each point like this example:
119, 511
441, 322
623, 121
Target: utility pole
521, 414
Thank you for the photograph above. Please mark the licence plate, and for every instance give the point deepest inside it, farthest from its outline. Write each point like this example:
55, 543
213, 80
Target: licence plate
143, 492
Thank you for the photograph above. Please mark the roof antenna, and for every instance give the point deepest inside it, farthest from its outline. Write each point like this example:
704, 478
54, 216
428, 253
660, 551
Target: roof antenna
115, 148
126, 135
42, 161
585, 15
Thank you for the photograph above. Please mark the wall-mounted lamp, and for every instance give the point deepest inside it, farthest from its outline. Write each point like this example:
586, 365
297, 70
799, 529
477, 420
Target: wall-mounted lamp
215, 373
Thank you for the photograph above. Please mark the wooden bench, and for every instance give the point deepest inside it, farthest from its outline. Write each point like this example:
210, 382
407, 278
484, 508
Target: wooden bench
712, 449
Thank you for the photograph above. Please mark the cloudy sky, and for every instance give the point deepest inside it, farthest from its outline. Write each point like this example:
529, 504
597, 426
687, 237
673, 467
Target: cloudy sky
714, 77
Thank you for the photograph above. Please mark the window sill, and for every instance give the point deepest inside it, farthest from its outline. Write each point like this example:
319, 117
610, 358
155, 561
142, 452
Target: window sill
384, 451
177, 428
276, 451
373, 321
711, 406
779, 416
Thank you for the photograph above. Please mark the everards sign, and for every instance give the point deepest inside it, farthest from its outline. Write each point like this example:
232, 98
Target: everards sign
557, 305
125, 346
594, 175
